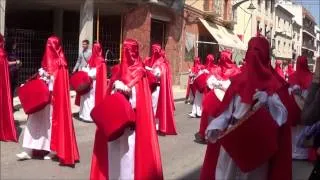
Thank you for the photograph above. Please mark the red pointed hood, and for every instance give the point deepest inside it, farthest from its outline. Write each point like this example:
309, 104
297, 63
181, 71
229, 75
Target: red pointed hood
227, 67
131, 67
53, 56
303, 76
290, 69
279, 69
257, 72
96, 58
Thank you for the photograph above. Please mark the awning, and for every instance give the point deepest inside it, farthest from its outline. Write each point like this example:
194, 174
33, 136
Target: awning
223, 36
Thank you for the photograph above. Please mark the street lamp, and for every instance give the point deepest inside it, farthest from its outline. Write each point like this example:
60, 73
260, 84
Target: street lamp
251, 6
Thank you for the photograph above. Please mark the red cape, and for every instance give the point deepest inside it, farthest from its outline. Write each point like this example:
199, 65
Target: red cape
147, 151
280, 164
210, 106
63, 139
7, 126
165, 109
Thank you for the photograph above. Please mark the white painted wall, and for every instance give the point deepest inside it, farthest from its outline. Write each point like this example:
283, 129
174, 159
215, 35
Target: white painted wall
86, 22
2, 16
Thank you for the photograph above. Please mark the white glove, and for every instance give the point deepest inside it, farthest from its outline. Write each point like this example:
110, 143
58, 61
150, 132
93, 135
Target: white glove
262, 98
92, 73
212, 82
294, 88
148, 68
119, 85
213, 135
157, 72
41, 71
85, 69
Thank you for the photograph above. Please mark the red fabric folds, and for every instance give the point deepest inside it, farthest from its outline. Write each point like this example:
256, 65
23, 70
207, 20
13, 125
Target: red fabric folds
63, 139
262, 132
279, 69
34, 95
147, 151
258, 74
197, 66
208, 170
7, 126
97, 61
210, 106
290, 70
302, 76
165, 108
226, 66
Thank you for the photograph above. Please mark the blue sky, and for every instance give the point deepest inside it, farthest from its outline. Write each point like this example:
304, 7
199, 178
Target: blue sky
313, 6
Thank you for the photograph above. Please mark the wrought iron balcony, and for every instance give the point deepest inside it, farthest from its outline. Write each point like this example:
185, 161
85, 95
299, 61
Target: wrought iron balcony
309, 45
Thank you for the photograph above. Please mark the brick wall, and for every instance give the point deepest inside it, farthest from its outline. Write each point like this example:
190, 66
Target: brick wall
137, 25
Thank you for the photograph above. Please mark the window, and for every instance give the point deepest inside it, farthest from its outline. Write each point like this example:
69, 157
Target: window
278, 45
218, 6
265, 29
272, 6
258, 26
266, 5
279, 21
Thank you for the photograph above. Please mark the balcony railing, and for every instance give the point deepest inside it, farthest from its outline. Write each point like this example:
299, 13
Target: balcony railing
309, 45
309, 29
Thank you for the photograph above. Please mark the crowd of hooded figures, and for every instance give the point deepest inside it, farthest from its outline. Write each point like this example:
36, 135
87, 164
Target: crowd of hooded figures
254, 119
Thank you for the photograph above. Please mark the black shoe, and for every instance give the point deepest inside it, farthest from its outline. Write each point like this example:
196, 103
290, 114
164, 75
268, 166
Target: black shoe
199, 139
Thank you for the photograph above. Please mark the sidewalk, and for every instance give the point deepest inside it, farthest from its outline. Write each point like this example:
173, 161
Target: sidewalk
178, 93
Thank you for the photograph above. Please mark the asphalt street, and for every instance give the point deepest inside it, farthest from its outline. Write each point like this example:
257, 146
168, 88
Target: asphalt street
181, 156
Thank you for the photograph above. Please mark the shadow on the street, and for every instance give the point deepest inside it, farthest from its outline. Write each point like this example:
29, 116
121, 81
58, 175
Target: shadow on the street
76, 115
193, 175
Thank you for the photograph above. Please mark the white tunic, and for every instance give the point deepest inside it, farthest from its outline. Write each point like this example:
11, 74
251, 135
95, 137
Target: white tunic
197, 102
121, 152
87, 101
37, 133
297, 151
226, 168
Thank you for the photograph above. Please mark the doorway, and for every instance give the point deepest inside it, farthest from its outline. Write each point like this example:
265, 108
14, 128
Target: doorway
158, 32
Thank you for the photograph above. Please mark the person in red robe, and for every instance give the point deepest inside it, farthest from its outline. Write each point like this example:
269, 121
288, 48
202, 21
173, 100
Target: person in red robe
96, 70
140, 159
217, 83
197, 66
290, 71
264, 159
51, 129
8, 129
300, 81
162, 96
200, 85
98, 66
279, 69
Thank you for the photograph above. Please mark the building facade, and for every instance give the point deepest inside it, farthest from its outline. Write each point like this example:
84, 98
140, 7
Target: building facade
248, 22
175, 24
317, 42
308, 36
296, 40
303, 19
283, 34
